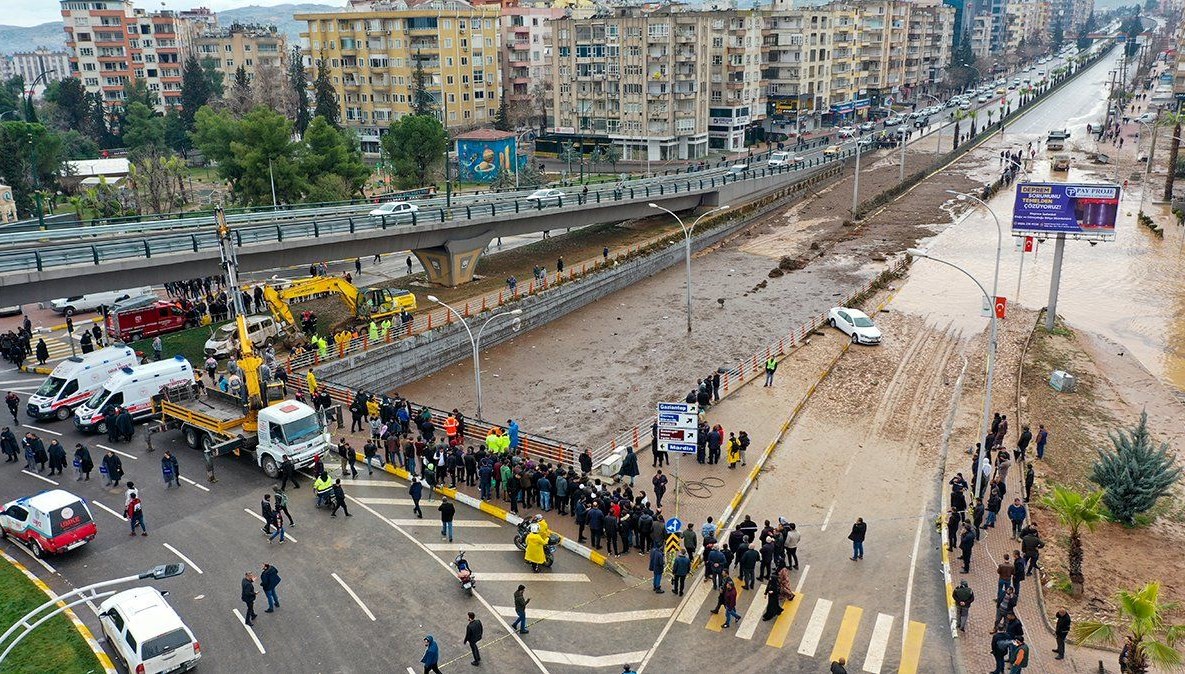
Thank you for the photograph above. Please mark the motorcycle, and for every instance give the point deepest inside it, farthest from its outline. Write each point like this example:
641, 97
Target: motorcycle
465, 575
326, 499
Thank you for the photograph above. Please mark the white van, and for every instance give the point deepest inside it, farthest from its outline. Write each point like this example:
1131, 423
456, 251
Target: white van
91, 301
76, 379
132, 388
146, 633
261, 329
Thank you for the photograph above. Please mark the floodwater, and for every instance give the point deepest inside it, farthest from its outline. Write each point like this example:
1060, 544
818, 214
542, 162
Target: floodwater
1131, 290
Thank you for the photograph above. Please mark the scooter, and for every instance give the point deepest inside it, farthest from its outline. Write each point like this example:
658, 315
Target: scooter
465, 576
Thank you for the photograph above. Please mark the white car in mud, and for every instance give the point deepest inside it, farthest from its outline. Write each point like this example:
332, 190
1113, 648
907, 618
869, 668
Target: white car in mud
856, 324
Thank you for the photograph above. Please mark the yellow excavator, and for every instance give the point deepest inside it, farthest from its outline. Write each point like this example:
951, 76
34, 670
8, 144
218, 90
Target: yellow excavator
364, 304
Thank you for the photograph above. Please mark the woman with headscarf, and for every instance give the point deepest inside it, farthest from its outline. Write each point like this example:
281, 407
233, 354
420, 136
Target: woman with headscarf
777, 591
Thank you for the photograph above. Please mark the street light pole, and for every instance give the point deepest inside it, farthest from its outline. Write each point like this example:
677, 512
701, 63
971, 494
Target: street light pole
999, 242
687, 247
475, 342
272, 178
991, 366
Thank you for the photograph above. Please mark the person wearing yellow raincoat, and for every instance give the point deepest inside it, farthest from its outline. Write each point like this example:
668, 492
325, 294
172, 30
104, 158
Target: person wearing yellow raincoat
373, 331
734, 452
535, 554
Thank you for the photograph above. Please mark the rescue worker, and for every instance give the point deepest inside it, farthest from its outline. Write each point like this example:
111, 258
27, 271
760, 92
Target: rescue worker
535, 555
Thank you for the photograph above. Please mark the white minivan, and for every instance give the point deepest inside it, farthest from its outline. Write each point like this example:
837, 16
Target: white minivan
91, 301
146, 633
76, 379
132, 388
261, 329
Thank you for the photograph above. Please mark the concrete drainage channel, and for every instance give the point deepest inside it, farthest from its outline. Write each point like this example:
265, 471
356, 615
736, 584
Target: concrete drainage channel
390, 366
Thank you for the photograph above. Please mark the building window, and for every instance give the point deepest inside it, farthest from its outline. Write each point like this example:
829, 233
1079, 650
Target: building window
658, 30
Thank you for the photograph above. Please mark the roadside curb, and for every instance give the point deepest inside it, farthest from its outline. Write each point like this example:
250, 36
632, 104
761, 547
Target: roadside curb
36, 369
83, 630
510, 518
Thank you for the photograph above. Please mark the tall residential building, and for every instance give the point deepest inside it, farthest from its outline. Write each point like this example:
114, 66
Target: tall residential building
526, 58
250, 46
112, 43
55, 65
1026, 24
372, 51
660, 85
837, 61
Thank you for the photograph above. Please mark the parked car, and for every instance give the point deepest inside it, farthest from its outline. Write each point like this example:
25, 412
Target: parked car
14, 310
893, 120
965, 105
856, 324
983, 98
91, 301
737, 169
50, 522
832, 151
398, 210
846, 131
868, 126
146, 633
261, 329
546, 196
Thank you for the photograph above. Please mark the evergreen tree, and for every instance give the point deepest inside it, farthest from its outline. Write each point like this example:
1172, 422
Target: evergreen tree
143, 129
240, 92
1134, 474
333, 152
1084, 42
324, 96
299, 82
1058, 37
195, 90
416, 145
70, 97
502, 118
422, 101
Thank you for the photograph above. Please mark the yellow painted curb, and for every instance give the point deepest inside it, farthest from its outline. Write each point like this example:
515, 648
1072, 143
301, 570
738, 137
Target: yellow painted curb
83, 630
36, 369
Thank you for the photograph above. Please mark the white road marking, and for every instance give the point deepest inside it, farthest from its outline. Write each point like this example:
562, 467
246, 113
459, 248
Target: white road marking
21, 389
250, 632
362, 482
880, 641
752, 615
458, 524
580, 617
801, 579
191, 482
185, 559
579, 660
533, 577
43, 430
814, 628
411, 671
94, 609
827, 519
125, 519
694, 602
39, 477
506, 626
44, 564
259, 517
387, 501
913, 565
112, 449
357, 600
476, 547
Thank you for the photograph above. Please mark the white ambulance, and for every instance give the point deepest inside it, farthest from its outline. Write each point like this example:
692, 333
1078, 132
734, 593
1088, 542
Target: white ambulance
132, 388
76, 379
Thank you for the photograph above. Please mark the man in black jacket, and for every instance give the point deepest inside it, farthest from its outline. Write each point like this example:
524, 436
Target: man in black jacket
249, 598
339, 495
288, 474
1061, 631
473, 634
268, 580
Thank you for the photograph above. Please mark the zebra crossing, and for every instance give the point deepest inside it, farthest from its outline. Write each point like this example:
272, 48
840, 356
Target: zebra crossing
829, 628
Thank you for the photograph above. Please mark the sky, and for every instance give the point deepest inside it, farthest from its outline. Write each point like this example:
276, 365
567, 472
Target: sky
34, 12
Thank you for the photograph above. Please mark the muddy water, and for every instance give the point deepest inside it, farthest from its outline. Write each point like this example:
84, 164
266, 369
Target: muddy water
1131, 290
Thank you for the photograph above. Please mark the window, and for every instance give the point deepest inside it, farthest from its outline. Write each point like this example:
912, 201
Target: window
131, 641
230, 63
86, 51
115, 618
92, 81
90, 67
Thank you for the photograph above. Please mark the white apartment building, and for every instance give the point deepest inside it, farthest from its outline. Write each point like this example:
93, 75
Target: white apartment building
54, 65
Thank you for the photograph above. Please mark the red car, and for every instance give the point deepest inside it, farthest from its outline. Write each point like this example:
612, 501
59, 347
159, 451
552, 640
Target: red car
50, 522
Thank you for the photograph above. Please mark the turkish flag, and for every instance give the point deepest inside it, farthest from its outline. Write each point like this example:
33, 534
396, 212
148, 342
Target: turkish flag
1029, 244
1001, 305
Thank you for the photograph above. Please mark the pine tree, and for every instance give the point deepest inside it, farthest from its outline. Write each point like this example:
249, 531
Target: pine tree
325, 98
1134, 474
422, 102
299, 82
502, 118
195, 90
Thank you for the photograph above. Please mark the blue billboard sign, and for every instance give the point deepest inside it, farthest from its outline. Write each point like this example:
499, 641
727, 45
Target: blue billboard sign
482, 161
1086, 211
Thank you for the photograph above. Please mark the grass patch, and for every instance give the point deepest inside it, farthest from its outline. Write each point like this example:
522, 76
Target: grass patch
55, 646
189, 343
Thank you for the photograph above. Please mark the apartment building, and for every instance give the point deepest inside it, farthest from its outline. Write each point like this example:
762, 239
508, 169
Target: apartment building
526, 57
373, 49
48, 65
251, 46
832, 62
663, 84
112, 42
1026, 23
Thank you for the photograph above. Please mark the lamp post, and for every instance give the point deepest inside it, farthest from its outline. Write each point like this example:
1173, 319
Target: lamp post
86, 593
271, 176
475, 342
978, 480
938, 142
999, 243
687, 247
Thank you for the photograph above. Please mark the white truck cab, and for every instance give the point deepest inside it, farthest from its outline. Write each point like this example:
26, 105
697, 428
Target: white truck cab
76, 379
290, 428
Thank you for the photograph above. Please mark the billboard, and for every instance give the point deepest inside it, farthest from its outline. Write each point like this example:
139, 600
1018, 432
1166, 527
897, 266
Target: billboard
481, 161
1080, 211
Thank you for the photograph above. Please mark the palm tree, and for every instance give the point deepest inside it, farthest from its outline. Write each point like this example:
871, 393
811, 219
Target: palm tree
1153, 641
1173, 119
1075, 510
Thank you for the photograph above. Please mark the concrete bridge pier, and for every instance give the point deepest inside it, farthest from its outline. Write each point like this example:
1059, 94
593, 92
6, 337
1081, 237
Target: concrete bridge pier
453, 262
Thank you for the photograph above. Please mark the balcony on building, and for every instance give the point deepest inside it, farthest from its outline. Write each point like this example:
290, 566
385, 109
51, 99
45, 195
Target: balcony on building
657, 54
423, 44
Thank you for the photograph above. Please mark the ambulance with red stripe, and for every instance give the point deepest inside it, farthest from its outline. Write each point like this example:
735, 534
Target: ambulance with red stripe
50, 522
132, 388
76, 379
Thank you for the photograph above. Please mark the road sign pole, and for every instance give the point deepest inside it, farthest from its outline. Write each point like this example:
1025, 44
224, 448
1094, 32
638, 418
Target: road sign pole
1054, 281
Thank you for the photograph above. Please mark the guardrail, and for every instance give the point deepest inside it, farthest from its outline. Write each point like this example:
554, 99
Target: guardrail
531, 445
747, 369
194, 242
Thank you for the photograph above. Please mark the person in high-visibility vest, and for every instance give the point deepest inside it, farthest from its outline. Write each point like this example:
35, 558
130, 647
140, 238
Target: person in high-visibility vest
492, 440
312, 379
384, 327
374, 331
771, 365
322, 347
450, 426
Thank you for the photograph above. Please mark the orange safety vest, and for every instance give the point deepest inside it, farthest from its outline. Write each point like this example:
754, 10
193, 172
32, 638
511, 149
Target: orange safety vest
450, 426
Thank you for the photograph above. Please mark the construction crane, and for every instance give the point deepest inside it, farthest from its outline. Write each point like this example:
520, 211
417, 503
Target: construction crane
248, 361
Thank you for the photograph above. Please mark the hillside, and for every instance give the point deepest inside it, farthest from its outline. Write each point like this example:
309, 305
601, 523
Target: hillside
28, 38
